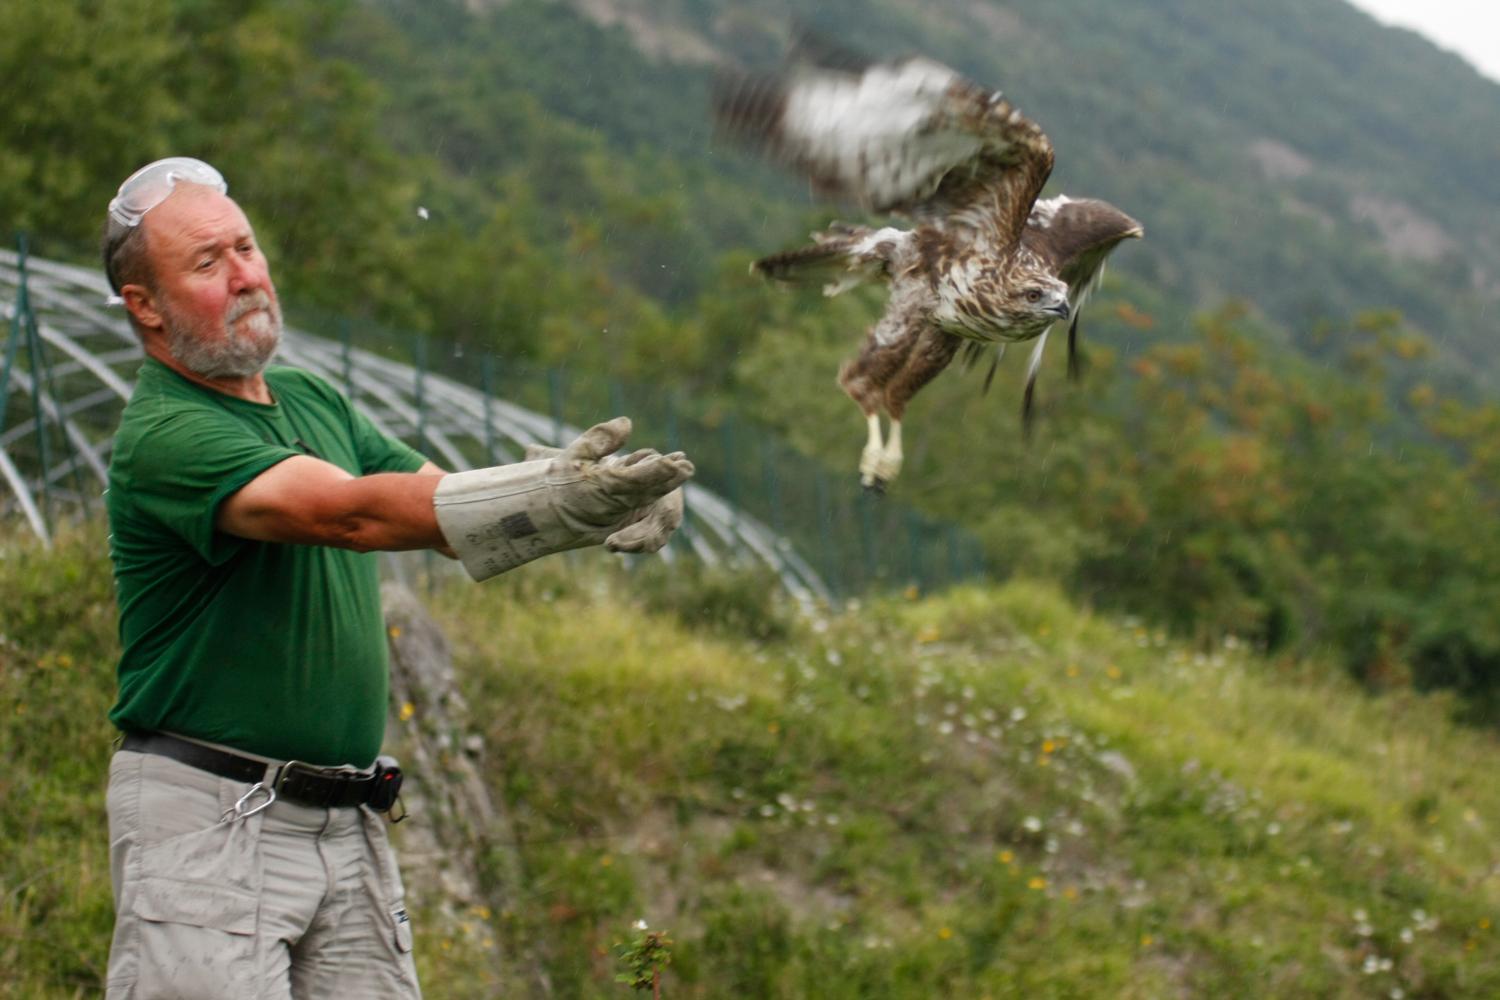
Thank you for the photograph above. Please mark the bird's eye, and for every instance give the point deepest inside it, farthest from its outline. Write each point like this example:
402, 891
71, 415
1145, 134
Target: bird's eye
1033, 295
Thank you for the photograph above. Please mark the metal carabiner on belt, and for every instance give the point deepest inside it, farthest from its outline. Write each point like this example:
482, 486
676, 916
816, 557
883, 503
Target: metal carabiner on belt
240, 810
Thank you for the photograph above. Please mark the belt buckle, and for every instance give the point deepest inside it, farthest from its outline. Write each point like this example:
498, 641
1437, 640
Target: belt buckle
284, 771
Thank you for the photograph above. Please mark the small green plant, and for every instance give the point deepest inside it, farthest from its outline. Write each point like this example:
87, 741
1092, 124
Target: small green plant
644, 957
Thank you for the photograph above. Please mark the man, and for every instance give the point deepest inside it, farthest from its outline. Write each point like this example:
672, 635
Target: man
247, 853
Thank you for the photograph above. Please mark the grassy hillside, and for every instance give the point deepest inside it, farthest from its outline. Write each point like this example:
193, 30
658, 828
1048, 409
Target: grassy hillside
988, 792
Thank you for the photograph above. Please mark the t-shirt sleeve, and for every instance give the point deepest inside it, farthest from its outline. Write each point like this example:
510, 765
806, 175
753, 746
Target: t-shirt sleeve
186, 465
375, 450
378, 452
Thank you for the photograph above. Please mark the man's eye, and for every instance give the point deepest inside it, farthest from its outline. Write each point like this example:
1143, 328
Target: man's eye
205, 263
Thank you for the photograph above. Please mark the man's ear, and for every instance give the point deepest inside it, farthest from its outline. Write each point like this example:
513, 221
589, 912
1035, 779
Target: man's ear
141, 304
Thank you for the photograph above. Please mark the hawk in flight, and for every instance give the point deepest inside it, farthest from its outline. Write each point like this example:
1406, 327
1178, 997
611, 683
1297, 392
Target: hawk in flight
984, 262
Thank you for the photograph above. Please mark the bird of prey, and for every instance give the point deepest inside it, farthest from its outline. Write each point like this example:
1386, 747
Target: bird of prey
984, 262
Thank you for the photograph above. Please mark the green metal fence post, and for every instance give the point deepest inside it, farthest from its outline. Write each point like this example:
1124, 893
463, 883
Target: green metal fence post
555, 401
16, 327
346, 354
769, 474
824, 523
731, 477
955, 573
674, 443
867, 536
616, 399
421, 391
28, 325
487, 388
913, 550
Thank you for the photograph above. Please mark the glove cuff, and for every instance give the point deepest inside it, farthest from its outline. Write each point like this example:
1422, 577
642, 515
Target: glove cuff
498, 518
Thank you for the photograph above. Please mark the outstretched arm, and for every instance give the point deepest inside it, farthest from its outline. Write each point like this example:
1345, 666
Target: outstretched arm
493, 519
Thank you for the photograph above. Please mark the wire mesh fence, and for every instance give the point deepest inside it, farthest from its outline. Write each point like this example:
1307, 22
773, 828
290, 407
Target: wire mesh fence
66, 365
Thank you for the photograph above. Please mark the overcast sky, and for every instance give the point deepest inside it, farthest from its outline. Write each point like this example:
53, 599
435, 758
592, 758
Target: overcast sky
1469, 27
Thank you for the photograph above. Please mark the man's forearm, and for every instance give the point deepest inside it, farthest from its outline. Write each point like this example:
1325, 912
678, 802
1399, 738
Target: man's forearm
306, 501
384, 512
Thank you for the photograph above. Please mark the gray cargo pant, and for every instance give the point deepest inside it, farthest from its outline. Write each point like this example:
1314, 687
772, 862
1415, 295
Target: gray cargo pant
291, 902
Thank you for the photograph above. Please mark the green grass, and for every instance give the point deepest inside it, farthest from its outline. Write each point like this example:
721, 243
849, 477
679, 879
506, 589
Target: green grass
987, 792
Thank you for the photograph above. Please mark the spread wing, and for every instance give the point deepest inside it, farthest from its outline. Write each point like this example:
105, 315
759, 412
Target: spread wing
910, 136
1074, 236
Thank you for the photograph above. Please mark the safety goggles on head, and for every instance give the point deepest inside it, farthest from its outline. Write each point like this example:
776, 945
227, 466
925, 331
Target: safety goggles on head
150, 185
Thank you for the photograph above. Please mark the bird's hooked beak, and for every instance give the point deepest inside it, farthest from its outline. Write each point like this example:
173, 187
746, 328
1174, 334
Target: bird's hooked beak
1061, 310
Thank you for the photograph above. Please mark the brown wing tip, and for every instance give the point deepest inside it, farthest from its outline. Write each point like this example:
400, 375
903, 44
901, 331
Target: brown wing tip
749, 107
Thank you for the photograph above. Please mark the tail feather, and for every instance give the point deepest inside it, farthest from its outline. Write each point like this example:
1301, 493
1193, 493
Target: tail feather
839, 257
974, 350
809, 263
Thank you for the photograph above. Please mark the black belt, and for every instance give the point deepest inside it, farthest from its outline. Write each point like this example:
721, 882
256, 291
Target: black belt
327, 787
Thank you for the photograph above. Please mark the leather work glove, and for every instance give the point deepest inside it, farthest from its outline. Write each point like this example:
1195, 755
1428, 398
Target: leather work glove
498, 518
646, 529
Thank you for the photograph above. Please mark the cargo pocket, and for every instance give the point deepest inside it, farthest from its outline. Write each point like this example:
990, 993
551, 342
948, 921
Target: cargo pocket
391, 897
195, 902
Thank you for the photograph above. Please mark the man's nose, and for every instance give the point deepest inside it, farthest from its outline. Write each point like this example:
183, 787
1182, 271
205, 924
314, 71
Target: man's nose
244, 274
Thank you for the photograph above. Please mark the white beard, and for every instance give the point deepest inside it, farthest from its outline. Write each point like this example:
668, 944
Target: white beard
220, 350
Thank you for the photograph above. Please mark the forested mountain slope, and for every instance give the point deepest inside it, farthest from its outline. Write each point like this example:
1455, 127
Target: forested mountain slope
1298, 155
1294, 154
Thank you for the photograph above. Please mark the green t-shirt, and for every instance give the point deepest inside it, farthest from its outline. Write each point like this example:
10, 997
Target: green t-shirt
275, 649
